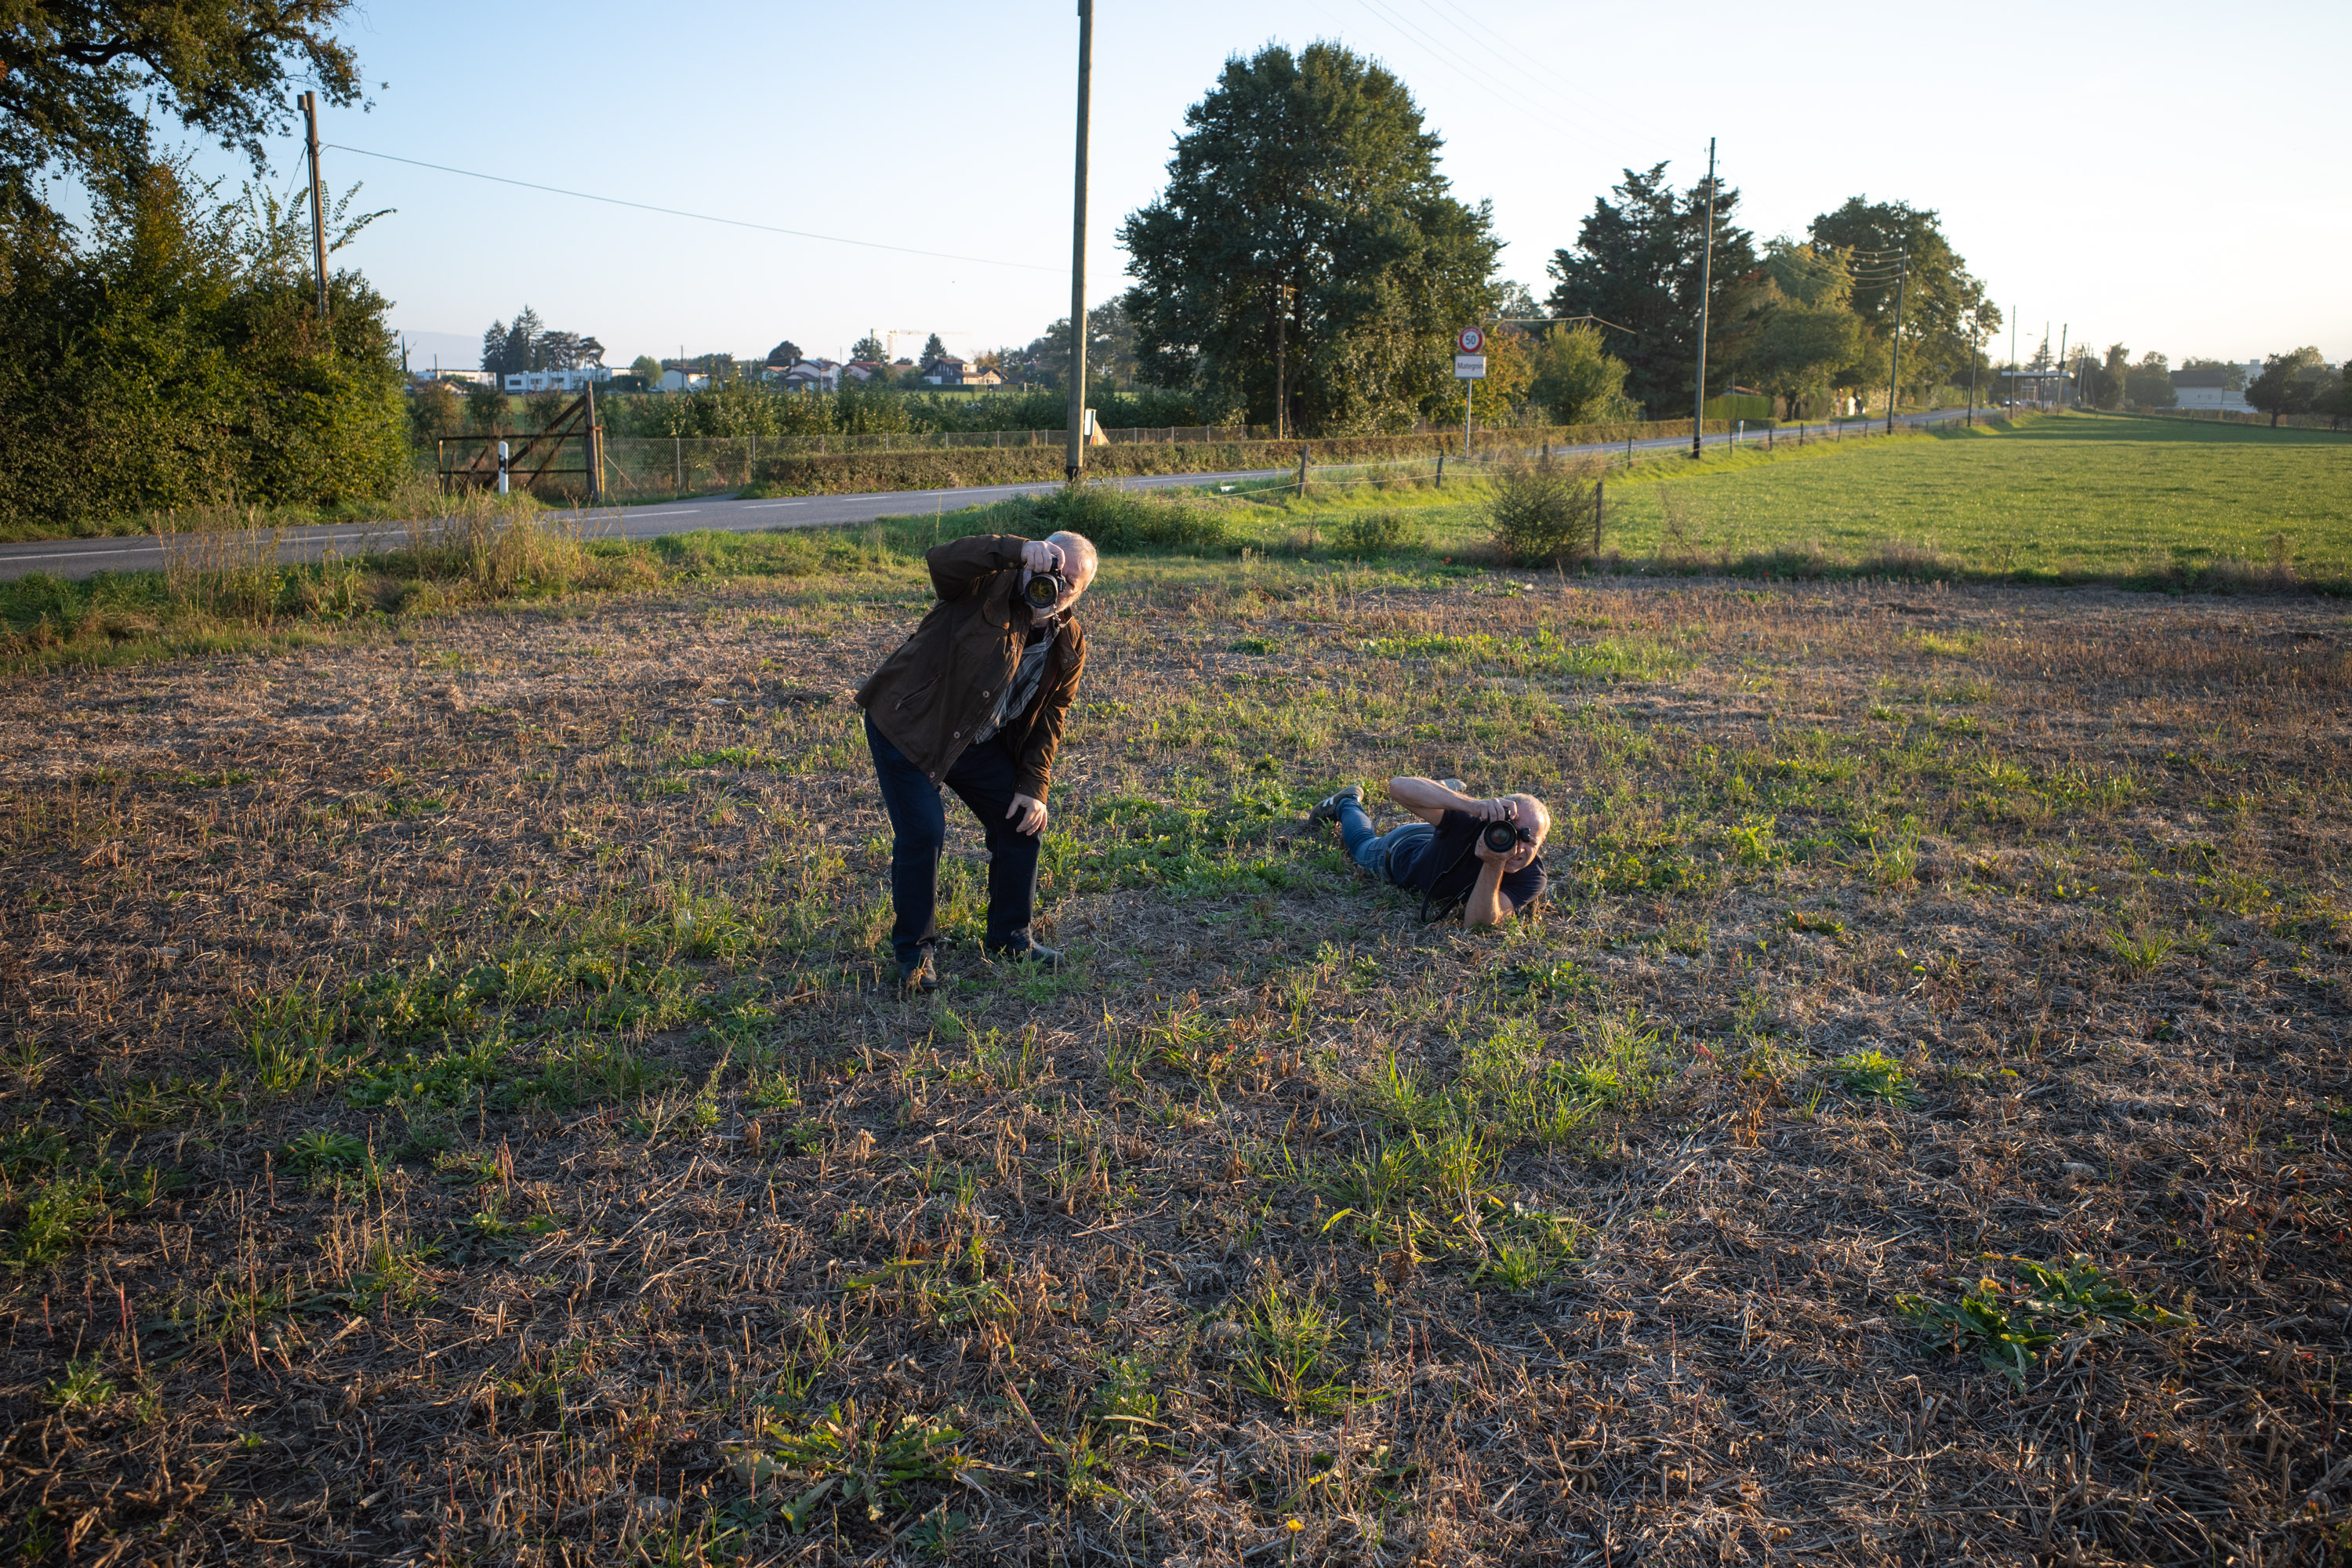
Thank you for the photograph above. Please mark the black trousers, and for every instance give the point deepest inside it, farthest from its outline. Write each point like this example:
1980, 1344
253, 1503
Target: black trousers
984, 776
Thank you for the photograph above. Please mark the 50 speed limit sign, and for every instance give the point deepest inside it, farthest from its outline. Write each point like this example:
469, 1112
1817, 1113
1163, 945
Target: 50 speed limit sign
1473, 341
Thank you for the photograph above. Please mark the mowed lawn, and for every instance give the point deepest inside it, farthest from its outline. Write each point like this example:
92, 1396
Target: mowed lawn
2077, 496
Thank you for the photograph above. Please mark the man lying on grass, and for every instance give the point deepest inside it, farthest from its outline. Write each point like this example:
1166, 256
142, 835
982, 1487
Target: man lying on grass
1483, 856
975, 700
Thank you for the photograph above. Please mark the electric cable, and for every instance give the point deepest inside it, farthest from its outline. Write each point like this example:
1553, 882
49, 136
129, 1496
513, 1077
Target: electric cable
700, 217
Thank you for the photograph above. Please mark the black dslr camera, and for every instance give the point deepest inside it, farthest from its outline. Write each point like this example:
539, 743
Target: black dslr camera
1044, 589
1502, 837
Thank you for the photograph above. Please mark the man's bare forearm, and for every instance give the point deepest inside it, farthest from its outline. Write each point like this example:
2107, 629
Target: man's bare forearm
1487, 906
1427, 795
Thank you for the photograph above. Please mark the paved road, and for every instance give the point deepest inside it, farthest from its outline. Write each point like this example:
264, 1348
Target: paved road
78, 558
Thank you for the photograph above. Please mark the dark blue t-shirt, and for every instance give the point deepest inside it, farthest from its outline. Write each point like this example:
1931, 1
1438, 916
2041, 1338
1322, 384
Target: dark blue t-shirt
1440, 866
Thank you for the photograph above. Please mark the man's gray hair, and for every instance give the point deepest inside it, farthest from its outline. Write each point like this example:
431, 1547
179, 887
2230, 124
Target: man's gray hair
1078, 547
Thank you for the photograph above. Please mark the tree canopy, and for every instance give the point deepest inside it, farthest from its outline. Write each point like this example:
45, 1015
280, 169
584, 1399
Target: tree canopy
1304, 207
1945, 311
870, 347
786, 354
1802, 330
79, 80
2290, 382
1637, 264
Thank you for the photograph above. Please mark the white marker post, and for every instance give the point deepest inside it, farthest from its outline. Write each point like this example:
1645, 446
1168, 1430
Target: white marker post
502, 467
1469, 365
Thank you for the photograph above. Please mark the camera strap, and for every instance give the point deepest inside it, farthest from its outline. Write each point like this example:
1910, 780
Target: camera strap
1451, 904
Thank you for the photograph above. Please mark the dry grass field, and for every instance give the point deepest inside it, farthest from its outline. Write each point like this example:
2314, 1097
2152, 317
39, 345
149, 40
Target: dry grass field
450, 1113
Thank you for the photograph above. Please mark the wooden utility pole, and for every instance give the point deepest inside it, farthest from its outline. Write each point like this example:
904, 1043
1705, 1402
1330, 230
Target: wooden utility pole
1894, 363
309, 102
1078, 453
1705, 290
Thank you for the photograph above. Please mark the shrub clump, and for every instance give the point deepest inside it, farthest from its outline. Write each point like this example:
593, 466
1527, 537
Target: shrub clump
1541, 514
1377, 534
1119, 520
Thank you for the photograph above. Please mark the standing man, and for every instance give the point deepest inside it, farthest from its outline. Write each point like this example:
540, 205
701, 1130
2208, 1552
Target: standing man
975, 700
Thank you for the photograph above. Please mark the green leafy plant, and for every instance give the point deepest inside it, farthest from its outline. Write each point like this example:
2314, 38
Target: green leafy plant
1289, 1361
849, 1457
2010, 1327
1875, 1074
84, 1386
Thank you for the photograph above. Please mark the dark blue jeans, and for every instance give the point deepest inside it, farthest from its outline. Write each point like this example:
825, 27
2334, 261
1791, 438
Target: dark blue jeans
1368, 848
984, 777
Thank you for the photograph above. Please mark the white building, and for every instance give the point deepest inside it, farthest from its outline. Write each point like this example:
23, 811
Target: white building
2210, 390
679, 380
574, 380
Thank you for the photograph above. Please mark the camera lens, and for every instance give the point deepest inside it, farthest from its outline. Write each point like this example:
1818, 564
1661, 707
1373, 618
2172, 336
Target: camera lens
1043, 589
1501, 838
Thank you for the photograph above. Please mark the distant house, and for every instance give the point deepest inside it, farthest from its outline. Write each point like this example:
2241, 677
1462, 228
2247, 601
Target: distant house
424, 378
680, 381
865, 370
2209, 390
574, 380
949, 370
808, 375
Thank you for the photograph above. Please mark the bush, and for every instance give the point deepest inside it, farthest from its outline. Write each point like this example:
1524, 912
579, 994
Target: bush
1377, 534
176, 359
1119, 520
1541, 514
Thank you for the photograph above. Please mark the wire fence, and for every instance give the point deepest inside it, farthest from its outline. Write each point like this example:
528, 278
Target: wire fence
642, 468
1498, 450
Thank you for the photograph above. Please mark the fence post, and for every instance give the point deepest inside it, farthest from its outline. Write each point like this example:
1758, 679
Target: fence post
1441, 467
1302, 469
677, 466
1600, 491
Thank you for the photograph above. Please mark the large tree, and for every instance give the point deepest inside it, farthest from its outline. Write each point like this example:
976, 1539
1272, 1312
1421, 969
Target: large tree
1637, 264
1943, 308
2148, 383
2289, 383
80, 80
1802, 329
1305, 219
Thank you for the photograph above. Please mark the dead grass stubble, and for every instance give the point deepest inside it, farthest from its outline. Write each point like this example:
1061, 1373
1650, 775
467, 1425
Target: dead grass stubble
615, 1214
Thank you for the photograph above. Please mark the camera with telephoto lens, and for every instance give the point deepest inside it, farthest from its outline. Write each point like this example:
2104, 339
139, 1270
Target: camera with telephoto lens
1502, 837
1044, 589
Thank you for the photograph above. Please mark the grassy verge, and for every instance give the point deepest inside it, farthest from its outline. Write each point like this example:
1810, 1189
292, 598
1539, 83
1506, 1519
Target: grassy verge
449, 1105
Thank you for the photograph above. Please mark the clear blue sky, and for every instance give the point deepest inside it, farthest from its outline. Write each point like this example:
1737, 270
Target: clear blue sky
2168, 174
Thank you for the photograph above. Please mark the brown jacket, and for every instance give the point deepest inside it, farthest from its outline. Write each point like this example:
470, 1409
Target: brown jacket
940, 686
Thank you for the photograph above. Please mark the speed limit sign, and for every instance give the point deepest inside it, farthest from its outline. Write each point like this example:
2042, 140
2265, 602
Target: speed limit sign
1472, 340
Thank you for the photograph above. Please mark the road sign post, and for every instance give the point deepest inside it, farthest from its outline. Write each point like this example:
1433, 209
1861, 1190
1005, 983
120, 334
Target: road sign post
1469, 365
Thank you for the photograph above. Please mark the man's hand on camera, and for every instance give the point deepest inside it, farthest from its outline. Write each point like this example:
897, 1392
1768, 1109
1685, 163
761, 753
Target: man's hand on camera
1496, 810
1042, 555
1028, 815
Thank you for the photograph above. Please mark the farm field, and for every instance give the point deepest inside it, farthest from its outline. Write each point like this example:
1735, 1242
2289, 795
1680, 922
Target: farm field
450, 1108
2079, 497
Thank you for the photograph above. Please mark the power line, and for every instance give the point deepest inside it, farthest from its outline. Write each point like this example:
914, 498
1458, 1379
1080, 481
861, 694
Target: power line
700, 217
